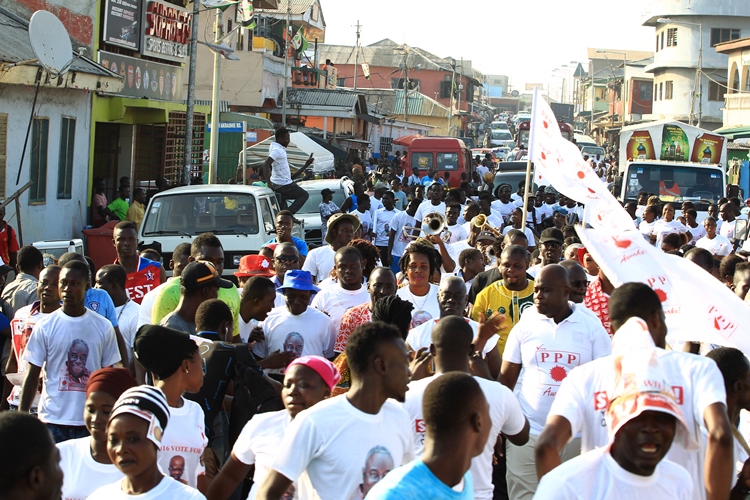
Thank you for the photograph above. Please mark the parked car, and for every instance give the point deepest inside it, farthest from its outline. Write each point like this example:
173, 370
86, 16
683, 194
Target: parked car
444, 154
501, 153
512, 177
310, 213
592, 151
242, 217
499, 125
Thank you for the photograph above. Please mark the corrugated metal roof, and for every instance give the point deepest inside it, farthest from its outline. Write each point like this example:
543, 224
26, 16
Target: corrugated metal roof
390, 54
296, 7
321, 97
391, 102
15, 46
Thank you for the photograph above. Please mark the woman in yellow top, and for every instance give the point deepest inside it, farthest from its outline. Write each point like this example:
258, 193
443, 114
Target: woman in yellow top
509, 296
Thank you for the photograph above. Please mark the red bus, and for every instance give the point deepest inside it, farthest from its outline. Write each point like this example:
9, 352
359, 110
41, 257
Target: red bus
524, 129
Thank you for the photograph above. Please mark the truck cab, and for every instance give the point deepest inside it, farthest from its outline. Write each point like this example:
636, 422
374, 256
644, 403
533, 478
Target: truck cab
675, 182
242, 217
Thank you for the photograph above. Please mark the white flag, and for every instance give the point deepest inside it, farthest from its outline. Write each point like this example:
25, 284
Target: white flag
698, 307
559, 161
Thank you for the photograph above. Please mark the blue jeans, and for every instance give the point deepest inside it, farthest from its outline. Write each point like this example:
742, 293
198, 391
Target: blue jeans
62, 433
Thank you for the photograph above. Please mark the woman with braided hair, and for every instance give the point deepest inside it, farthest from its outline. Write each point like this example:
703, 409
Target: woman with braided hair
419, 262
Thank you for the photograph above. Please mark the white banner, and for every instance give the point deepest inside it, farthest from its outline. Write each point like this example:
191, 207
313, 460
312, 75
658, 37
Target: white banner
698, 307
559, 162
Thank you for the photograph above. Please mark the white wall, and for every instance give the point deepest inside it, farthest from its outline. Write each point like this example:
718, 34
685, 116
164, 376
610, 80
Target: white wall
56, 219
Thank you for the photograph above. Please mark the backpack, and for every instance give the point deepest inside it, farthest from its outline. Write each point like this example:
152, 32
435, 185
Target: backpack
252, 393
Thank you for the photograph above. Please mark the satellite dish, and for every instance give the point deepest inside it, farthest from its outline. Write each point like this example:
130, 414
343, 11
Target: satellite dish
50, 42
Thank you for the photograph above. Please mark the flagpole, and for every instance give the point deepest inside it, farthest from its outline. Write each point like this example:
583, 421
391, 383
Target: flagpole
527, 179
287, 42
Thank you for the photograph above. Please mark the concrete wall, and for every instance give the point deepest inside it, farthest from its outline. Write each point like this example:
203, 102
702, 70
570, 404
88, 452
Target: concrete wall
76, 15
55, 219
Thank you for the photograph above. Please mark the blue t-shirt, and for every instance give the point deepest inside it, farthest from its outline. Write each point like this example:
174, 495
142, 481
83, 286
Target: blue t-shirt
300, 244
101, 303
415, 481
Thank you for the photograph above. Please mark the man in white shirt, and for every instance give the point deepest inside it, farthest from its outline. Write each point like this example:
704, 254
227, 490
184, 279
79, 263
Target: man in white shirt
397, 241
451, 348
381, 222
583, 397
504, 205
453, 230
550, 340
341, 229
279, 176
728, 216
258, 298
295, 328
433, 203
644, 422
550, 249
111, 278
71, 343
331, 443
485, 207
347, 292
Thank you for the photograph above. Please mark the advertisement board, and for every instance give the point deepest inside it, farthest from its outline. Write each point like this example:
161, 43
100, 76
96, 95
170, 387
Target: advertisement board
166, 31
144, 78
122, 23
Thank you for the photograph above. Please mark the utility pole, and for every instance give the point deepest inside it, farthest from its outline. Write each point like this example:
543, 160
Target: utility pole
187, 153
356, 56
213, 161
406, 91
287, 41
700, 74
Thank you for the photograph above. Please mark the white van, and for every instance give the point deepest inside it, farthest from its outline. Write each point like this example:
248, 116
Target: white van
242, 217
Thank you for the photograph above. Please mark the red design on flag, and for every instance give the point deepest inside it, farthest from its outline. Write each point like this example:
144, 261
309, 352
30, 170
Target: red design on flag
661, 294
622, 243
581, 175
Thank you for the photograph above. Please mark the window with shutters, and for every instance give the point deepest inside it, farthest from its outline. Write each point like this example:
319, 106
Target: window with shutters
445, 89
3, 151
65, 162
38, 161
668, 89
672, 37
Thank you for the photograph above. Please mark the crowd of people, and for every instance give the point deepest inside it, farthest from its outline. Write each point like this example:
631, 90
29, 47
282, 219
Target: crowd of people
485, 358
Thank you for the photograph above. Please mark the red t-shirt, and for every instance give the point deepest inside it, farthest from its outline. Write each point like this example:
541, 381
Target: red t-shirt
8, 243
143, 280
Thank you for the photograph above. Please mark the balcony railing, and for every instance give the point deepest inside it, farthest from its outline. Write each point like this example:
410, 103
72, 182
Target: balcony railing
312, 77
737, 102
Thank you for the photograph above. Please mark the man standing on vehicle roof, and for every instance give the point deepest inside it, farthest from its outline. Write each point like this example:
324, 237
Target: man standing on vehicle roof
278, 174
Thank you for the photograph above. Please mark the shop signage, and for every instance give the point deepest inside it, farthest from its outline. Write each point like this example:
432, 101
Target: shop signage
166, 31
144, 78
122, 23
229, 127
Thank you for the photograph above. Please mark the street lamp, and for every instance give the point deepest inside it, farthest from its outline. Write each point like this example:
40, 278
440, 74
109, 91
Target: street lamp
698, 85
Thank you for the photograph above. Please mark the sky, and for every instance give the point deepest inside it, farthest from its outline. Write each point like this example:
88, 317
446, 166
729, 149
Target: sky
500, 37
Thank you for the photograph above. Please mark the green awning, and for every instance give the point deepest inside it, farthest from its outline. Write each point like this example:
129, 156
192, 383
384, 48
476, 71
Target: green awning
734, 131
254, 122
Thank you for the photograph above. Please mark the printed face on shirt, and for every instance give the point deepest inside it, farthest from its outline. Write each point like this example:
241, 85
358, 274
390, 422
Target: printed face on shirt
177, 468
78, 354
294, 344
379, 463
643, 442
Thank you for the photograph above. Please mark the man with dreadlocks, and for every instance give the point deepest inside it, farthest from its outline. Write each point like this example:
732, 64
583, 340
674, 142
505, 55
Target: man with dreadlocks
503, 204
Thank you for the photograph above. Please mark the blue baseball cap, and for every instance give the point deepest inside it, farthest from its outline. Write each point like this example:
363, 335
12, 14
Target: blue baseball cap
296, 279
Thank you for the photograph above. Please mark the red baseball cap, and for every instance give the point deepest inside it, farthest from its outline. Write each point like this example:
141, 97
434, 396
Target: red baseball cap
254, 265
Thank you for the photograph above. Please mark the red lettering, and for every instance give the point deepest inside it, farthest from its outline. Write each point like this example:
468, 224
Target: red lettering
544, 356
419, 426
168, 23
658, 280
601, 400
558, 357
571, 358
679, 394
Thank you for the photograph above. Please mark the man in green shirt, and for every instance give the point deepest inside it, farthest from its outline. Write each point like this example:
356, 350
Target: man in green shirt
119, 206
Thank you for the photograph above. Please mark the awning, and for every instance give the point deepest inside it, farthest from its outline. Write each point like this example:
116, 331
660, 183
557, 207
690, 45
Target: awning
338, 153
368, 118
298, 151
405, 141
733, 131
253, 122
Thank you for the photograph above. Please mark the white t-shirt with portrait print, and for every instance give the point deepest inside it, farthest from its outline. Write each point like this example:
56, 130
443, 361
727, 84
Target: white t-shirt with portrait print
458, 233
307, 334
258, 444
334, 301
503, 209
426, 207
365, 221
505, 414
605, 478
319, 262
339, 452
167, 488
82, 474
87, 343
425, 306
399, 221
695, 380
547, 352
381, 225
185, 436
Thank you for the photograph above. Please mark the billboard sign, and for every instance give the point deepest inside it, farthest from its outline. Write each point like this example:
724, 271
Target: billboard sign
122, 23
166, 31
144, 78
